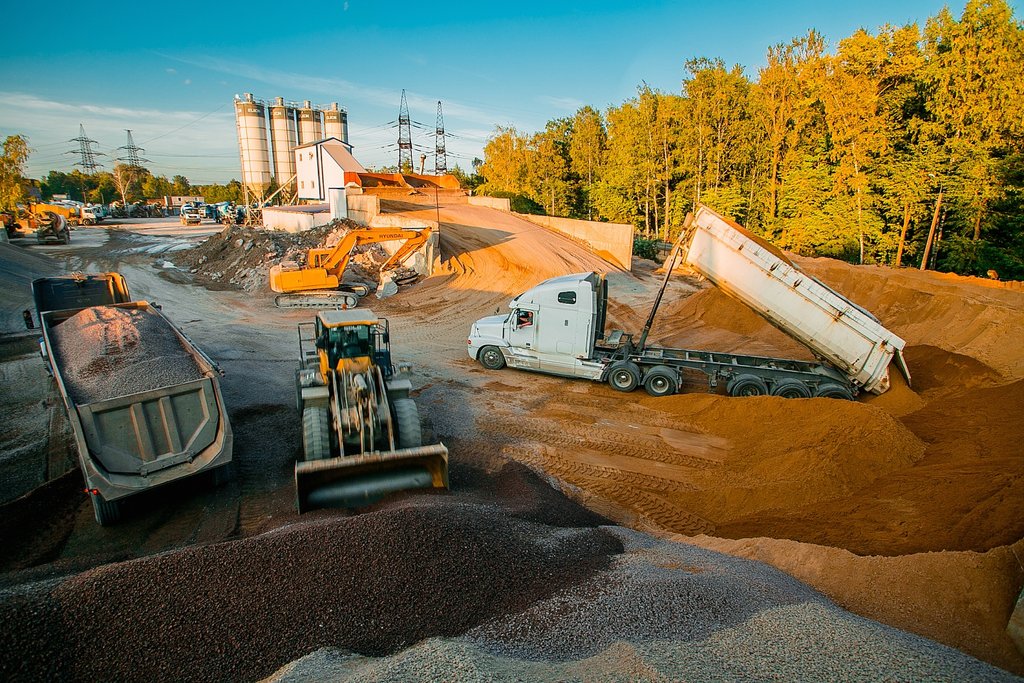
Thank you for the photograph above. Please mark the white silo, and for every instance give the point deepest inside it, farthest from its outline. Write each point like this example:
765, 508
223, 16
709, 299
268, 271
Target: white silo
336, 123
282, 140
310, 129
251, 122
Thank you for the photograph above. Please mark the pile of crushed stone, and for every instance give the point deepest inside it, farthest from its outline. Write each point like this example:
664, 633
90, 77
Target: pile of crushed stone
106, 352
665, 611
239, 257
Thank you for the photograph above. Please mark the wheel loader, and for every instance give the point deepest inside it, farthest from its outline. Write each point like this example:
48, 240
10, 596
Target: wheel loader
361, 434
318, 283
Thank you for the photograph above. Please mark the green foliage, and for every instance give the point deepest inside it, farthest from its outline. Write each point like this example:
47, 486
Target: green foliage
825, 153
12, 171
645, 248
518, 202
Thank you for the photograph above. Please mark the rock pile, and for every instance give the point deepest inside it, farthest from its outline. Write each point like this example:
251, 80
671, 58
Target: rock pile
240, 258
105, 352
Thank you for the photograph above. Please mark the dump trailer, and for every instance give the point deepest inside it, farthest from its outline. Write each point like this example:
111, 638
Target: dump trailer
144, 403
558, 327
361, 436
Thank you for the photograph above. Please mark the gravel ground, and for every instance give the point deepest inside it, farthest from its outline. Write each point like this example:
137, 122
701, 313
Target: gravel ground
667, 612
106, 352
374, 583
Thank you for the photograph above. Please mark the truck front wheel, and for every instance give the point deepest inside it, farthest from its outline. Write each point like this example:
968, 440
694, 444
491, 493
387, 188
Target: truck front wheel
491, 358
624, 376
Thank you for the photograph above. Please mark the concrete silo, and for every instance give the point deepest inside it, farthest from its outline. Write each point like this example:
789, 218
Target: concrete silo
310, 128
336, 123
250, 119
282, 140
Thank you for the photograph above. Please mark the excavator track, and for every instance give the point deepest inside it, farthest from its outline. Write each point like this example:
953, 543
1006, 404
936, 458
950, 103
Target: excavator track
331, 298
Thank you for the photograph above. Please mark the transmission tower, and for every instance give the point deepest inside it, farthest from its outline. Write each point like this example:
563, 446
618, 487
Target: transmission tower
404, 137
440, 155
131, 156
88, 162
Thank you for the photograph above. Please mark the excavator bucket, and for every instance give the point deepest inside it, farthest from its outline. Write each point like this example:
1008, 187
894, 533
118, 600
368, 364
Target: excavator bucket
358, 480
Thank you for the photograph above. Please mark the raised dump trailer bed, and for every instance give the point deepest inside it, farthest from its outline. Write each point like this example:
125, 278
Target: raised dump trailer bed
143, 401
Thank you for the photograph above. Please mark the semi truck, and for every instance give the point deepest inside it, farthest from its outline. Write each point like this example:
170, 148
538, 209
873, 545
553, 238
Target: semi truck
558, 327
130, 441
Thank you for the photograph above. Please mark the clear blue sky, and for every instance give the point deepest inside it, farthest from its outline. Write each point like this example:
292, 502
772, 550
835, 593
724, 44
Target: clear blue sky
169, 74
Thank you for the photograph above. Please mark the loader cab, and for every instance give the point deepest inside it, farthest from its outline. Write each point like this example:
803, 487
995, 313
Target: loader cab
352, 340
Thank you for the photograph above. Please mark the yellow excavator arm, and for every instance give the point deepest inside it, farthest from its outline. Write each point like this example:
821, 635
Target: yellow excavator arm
324, 267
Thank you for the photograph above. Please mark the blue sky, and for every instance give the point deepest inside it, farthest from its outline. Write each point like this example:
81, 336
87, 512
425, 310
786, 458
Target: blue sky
169, 74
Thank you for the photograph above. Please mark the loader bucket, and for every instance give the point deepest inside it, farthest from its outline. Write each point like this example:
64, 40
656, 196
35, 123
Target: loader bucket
358, 480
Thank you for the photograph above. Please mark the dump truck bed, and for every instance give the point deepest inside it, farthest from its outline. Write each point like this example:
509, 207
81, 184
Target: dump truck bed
135, 425
831, 326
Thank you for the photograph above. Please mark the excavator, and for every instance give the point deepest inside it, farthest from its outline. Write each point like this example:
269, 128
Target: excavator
361, 435
318, 283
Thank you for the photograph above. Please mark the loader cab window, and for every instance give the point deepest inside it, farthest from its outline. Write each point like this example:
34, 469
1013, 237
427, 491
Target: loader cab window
350, 341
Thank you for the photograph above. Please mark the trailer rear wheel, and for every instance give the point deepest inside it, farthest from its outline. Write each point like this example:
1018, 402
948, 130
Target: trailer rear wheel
661, 381
107, 512
407, 421
747, 385
624, 376
791, 388
834, 391
492, 358
316, 435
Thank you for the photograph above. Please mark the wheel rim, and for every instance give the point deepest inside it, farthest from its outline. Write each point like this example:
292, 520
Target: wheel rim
491, 358
622, 378
659, 385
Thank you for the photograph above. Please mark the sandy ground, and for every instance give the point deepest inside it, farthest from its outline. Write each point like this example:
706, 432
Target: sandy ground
904, 508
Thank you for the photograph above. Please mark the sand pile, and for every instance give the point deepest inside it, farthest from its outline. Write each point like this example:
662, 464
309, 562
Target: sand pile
240, 257
667, 612
374, 583
105, 352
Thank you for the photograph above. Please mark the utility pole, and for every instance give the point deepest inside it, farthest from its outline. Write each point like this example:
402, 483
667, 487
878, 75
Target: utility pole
440, 154
88, 156
404, 137
931, 232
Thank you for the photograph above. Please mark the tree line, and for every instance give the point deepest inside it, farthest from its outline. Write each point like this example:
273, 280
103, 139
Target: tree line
859, 154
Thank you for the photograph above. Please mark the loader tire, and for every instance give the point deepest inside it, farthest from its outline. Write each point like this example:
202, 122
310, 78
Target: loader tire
316, 434
107, 512
833, 391
491, 358
624, 376
407, 421
791, 388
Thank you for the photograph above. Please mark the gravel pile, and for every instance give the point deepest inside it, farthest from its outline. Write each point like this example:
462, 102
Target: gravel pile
373, 583
107, 352
241, 258
667, 612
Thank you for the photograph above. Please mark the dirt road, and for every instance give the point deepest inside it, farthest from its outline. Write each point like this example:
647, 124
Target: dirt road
932, 470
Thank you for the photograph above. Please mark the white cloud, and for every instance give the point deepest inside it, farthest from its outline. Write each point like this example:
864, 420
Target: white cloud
570, 104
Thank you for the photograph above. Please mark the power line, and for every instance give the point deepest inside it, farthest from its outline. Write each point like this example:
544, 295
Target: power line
404, 136
131, 157
440, 155
85, 150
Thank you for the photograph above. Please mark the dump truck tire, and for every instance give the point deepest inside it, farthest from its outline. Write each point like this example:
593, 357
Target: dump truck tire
791, 388
316, 435
661, 380
834, 391
491, 358
624, 376
407, 421
747, 385
107, 512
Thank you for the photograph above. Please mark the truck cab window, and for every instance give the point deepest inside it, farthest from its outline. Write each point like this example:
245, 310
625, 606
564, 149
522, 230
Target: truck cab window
567, 297
524, 319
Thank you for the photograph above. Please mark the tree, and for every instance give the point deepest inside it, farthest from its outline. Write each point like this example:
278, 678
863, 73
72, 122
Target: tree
12, 171
126, 180
180, 186
505, 166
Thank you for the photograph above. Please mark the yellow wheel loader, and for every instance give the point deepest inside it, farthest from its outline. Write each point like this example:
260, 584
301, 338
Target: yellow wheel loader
318, 283
360, 428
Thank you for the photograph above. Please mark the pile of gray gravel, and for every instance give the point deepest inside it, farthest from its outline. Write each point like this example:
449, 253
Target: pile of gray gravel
106, 352
667, 612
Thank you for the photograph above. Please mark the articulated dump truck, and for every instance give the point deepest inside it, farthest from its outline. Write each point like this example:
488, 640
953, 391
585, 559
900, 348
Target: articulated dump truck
558, 327
144, 402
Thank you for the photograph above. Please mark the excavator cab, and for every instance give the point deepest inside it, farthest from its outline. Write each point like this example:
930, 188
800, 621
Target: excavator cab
361, 429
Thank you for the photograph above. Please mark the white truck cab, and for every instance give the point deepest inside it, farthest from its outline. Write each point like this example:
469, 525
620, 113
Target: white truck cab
551, 328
